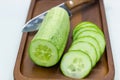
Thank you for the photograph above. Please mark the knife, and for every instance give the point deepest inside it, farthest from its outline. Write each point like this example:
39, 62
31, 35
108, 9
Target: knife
32, 25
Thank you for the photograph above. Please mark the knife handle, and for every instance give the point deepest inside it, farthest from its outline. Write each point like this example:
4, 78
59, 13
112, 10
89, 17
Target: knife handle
74, 3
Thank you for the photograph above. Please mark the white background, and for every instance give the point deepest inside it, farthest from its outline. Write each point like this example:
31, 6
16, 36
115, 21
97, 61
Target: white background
13, 14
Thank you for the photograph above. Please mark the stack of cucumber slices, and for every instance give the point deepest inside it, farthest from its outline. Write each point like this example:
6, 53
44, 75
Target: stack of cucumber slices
85, 51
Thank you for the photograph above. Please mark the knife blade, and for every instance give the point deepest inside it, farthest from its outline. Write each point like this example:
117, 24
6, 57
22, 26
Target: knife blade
32, 25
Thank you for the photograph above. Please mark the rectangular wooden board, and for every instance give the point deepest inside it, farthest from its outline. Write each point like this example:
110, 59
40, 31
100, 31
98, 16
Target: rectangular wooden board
25, 69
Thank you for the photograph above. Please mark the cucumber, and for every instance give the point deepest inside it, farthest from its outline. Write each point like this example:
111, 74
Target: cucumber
87, 25
42, 51
84, 29
47, 46
87, 48
93, 41
99, 38
76, 64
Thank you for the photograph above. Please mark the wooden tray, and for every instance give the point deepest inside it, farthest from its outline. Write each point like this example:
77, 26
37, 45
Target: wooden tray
25, 69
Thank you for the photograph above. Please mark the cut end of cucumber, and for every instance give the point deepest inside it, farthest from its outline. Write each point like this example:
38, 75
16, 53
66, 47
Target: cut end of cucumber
75, 64
43, 53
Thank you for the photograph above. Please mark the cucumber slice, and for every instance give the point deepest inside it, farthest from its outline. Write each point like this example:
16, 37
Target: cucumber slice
75, 64
82, 29
78, 26
99, 38
88, 25
87, 48
93, 41
43, 53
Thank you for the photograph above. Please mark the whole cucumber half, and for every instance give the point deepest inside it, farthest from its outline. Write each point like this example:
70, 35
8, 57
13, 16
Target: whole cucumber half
48, 44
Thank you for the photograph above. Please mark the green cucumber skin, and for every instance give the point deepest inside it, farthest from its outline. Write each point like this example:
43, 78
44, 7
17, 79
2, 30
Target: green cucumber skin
55, 29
